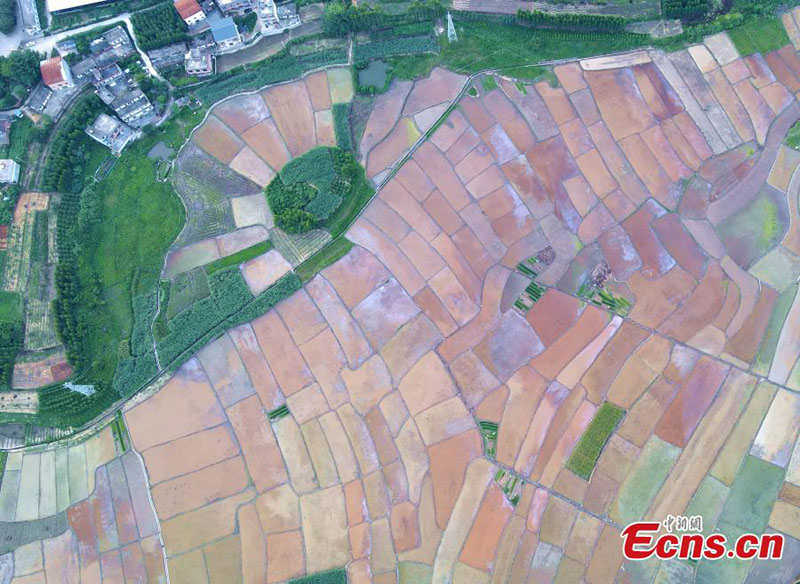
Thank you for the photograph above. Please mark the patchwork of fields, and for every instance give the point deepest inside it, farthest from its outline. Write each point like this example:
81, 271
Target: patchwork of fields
567, 308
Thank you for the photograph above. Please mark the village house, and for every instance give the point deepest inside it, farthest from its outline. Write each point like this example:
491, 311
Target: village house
56, 73
190, 11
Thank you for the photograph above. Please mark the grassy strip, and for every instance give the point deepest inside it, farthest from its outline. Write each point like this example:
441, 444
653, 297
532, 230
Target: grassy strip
336, 576
759, 36
584, 457
332, 252
3, 457
120, 432
239, 257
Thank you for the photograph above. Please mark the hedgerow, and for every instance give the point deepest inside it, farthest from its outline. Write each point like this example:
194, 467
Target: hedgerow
397, 46
572, 21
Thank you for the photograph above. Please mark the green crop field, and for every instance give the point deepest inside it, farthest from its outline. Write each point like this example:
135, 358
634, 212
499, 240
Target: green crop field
759, 36
584, 457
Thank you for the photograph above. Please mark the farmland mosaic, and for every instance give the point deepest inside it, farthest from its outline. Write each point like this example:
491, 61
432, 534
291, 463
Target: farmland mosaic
571, 304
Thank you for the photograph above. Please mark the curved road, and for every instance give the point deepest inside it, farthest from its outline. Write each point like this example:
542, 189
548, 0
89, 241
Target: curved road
47, 43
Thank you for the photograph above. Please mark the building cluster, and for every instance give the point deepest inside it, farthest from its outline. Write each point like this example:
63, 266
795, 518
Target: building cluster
214, 31
113, 85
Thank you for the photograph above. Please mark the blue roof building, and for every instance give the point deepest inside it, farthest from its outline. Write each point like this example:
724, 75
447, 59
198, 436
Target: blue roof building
224, 31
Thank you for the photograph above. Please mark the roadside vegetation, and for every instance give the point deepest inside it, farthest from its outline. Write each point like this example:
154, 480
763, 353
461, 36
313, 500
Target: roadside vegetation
329, 254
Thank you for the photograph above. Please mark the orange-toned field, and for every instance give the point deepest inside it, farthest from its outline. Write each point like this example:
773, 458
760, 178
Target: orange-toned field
413, 414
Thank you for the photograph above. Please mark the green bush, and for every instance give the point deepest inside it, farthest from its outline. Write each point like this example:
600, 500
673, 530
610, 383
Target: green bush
314, 167
246, 23
337, 576
158, 26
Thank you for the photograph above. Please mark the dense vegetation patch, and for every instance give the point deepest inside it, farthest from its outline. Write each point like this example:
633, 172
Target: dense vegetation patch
65, 166
158, 26
18, 72
514, 49
310, 189
12, 335
686, 10
8, 16
584, 457
343, 17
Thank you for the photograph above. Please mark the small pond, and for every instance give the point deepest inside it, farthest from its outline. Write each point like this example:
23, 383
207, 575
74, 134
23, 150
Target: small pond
373, 74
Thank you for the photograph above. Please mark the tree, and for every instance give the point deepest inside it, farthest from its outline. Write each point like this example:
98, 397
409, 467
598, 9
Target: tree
22, 66
8, 16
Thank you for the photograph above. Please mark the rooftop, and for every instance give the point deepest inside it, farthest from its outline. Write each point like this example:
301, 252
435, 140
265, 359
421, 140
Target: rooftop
222, 28
187, 8
9, 170
59, 5
51, 71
